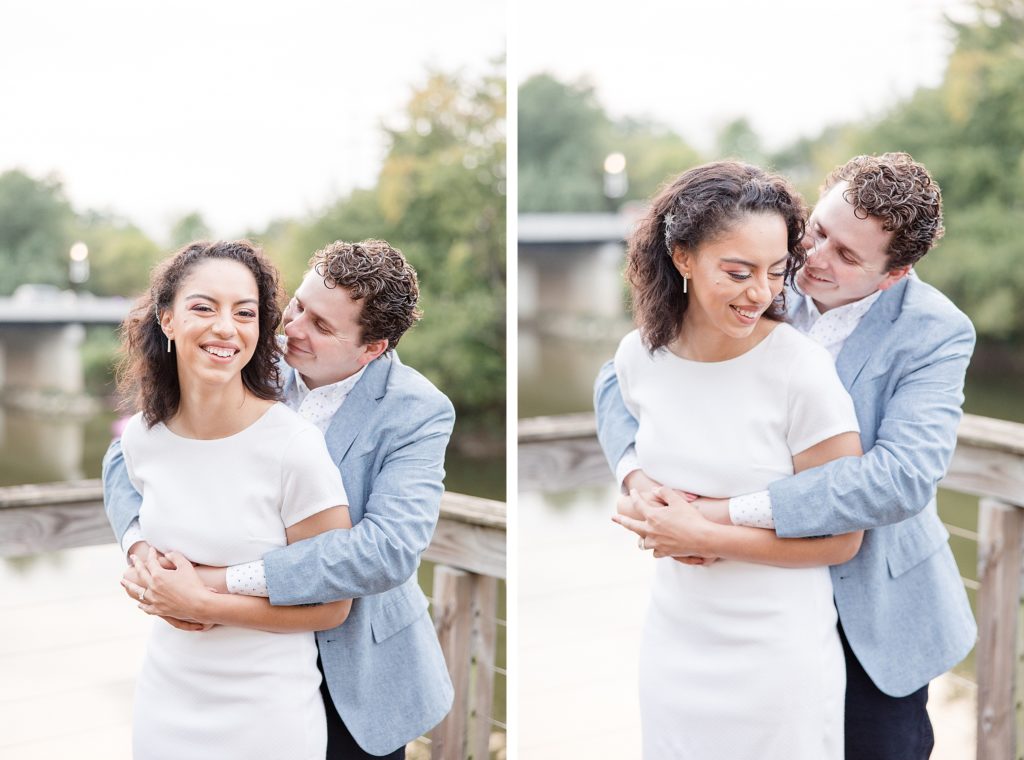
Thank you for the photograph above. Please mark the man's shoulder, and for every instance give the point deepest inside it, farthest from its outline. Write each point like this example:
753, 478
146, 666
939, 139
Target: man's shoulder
927, 311
406, 385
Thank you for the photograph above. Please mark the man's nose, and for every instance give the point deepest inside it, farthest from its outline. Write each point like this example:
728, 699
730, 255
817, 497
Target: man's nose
292, 327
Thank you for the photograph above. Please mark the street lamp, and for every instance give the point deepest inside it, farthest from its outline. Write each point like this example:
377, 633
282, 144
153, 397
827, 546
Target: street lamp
78, 267
616, 183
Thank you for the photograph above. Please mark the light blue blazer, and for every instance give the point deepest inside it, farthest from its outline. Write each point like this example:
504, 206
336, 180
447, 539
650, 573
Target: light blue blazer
901, 601
383, 666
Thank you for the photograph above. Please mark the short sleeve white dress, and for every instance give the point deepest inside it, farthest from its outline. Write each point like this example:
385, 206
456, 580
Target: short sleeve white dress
737, 660
229, 692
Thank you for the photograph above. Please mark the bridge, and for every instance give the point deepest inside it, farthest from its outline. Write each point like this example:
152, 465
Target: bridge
570, 264
41, 333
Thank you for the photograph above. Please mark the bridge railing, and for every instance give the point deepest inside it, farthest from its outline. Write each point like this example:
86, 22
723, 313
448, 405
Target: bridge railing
561, 453
468, 550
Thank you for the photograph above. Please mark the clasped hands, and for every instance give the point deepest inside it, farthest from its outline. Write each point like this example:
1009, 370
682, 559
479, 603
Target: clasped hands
166, 585
671, 523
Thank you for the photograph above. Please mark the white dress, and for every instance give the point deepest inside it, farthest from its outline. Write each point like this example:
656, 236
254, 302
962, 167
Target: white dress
229, 692
737, 661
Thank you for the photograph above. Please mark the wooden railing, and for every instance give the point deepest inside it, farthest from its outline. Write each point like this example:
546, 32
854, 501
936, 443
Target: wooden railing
468, 550
558, 453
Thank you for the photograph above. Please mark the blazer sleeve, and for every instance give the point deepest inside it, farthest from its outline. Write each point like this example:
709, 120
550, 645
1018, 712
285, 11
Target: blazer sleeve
120, 499
383, 549
898, 476
616, 427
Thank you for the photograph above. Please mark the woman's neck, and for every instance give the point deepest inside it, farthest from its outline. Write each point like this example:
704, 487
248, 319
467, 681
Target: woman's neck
215, 411
702, 343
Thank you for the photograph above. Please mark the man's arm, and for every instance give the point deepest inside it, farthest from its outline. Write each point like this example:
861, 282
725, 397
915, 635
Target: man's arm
616, 427
120, 499
898, 476
383, 549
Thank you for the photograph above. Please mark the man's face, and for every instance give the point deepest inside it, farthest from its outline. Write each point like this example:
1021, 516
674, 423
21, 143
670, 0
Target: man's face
324, 340
846, 255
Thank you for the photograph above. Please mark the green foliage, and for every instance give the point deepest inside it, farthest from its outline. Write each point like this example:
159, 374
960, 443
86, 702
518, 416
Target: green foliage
188, 228
35, 236
564, 137
562, 146
120, 254
440, 198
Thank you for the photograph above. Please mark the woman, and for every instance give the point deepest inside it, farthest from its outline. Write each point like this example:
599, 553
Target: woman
226, 474
738, 660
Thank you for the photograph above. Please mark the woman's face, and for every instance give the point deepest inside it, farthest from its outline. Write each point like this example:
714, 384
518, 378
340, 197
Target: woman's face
735, 277
214, 321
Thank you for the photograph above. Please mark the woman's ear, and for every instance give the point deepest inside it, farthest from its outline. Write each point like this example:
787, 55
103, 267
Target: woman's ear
165, 323
681, 259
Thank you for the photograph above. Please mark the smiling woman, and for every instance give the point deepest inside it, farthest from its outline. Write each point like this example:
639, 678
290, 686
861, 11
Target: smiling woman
226, 474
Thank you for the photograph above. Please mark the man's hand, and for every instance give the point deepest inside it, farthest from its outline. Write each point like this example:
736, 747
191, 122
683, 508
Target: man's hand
638, 480
176, 593
669, 525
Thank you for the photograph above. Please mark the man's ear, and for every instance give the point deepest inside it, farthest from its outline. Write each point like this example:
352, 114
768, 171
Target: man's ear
372, 350
892, 277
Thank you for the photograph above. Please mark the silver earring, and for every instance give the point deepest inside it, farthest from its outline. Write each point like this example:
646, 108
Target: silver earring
685, 278
168, 344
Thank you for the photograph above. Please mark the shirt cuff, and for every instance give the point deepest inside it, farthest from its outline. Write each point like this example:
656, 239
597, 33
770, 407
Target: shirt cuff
753, 510
626, 465
131, 536
249, 579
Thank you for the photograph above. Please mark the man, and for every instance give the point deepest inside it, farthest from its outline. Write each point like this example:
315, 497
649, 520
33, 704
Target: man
901, 349
387, 429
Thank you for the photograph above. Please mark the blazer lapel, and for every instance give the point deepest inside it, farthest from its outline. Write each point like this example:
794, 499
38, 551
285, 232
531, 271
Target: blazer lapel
358, 407
866, 338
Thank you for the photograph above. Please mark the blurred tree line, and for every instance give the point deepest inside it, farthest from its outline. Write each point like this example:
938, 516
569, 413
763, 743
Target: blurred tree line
969, 132
440, 198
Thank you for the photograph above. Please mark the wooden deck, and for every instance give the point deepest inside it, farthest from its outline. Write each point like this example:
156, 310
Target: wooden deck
71, 642
583, 589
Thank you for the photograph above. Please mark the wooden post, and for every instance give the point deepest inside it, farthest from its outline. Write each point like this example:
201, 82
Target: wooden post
1000, 528
453, 619
485, 632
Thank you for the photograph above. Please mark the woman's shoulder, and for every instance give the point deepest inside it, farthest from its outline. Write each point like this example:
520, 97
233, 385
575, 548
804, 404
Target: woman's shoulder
285, 421
135, 428
789, 339
631, 347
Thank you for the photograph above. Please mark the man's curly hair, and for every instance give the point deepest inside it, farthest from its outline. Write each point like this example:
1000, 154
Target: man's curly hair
902, 194
377, 274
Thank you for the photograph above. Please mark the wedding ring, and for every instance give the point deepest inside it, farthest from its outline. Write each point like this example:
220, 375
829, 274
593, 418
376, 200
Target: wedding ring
642, 543
142, 595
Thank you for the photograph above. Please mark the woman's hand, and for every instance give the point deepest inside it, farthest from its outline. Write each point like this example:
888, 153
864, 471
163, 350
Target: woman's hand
176, 593
669, 524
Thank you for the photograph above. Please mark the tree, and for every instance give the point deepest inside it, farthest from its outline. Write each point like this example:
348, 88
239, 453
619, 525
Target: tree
35, 237
562, 146
188, 228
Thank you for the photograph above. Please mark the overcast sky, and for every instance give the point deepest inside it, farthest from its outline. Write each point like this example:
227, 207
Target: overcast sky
245, 111
791, 66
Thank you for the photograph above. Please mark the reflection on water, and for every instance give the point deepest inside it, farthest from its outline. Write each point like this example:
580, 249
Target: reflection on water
40, 448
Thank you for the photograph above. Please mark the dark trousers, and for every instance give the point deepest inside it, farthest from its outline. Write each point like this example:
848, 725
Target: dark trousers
880, 727
340, 744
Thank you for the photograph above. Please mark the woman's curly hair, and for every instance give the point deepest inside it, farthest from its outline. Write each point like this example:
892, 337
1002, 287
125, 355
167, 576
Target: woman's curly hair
696, 207
902, 194
377, 274
147, 374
